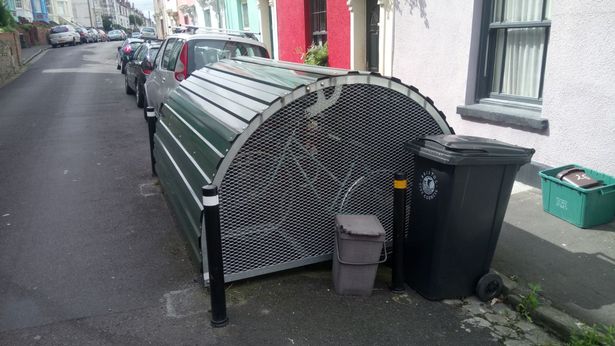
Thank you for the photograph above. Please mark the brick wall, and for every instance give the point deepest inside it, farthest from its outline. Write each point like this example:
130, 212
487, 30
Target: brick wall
35, 36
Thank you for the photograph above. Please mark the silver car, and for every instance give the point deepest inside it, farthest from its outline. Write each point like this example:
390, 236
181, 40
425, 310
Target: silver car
182, 54
148, 33
95, 34
64, 35
115, 35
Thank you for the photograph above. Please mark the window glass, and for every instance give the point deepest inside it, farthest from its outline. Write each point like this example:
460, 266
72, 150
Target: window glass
166, 55
522, 10
515, 50
244, 14
204, 52
175, 50
135, 45
517, 72
319, 21
207, 16
153, 53
141, 53
58, 29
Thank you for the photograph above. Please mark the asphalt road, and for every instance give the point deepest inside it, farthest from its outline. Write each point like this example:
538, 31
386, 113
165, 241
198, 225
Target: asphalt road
89, 252
83, 229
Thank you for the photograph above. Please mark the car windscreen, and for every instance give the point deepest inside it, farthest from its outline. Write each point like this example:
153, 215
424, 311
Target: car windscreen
115, 32
204, 52
58, 29
152, 52
135, 45
147, 29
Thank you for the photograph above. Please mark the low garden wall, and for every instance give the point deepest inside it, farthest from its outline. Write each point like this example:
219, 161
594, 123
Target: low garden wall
10, 55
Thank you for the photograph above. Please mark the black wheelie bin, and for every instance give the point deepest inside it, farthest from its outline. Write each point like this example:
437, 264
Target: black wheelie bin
460, 192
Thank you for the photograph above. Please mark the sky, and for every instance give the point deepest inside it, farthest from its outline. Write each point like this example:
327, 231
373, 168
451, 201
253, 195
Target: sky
144, 6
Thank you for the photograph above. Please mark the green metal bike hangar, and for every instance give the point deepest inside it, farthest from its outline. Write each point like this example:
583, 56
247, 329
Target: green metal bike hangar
289, 146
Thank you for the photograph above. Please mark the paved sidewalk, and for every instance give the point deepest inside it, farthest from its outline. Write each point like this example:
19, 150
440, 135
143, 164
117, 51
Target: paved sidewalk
575, 267
28, 53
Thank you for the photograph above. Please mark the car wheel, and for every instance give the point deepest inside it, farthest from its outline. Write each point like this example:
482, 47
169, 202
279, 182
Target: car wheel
54, 46
139, 94
123, 67
129, 90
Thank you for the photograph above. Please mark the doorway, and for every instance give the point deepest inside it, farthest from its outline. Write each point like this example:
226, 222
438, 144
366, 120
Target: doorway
372, 34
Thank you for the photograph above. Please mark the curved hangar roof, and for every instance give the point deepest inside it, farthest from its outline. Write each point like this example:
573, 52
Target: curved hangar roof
289, 146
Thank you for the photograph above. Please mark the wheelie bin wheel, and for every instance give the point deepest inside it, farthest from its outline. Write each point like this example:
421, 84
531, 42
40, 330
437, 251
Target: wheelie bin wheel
489, 286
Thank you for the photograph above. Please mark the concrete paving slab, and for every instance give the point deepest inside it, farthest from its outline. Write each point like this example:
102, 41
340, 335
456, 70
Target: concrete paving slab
575, 267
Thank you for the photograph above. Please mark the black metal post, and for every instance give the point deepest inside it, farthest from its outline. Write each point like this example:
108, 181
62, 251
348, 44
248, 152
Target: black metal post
400, 186
211, 221
151, 127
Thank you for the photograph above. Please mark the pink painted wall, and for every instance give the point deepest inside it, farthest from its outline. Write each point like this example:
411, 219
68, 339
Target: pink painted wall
293, 29
181, 14
338, 33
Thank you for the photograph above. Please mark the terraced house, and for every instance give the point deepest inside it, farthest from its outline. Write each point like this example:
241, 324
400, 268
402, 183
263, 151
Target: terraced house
521, 71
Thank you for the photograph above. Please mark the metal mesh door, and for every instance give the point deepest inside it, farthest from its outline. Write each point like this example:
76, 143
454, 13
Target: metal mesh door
307, 163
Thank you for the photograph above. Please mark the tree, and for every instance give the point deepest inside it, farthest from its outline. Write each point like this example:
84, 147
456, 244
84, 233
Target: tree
131, 19
106, 21
6, 19
139, 21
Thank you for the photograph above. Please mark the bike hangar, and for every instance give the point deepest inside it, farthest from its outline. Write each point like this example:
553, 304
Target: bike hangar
288, 146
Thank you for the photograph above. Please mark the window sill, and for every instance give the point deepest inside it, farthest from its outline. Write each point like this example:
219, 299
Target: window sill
504, 115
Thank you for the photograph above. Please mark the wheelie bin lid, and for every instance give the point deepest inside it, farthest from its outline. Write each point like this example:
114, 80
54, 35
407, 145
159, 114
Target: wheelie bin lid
469, 150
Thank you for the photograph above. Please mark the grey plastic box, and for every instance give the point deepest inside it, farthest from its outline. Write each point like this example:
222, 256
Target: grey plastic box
359, 240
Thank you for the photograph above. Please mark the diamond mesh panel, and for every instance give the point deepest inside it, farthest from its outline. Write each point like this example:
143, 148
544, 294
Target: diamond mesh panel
297, 170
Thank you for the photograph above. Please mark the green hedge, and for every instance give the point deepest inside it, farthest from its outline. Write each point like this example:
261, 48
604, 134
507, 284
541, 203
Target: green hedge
7, 22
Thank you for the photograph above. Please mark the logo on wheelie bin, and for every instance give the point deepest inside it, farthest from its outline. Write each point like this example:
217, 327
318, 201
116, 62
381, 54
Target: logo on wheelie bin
428, 185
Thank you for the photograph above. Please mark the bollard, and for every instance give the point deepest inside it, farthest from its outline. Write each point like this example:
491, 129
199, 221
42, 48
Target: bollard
400, 186
211, 222
151, 127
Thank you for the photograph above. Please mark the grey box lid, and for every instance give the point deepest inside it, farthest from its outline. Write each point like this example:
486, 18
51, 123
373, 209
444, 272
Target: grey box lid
360, 225
468, 150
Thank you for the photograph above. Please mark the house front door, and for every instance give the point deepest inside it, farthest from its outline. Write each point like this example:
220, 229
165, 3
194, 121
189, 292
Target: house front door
373, 18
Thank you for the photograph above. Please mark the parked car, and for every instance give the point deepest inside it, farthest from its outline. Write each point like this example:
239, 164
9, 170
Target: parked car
138, 68
61, 35
182, 54
126, 51
124, 34
135, 34
148, 32
103, 35
115, 35
95, 34
85, 36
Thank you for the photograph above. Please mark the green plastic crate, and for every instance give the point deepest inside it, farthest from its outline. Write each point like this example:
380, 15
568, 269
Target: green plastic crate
581, 207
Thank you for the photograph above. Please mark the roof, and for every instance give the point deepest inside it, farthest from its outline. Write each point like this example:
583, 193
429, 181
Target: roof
238, 94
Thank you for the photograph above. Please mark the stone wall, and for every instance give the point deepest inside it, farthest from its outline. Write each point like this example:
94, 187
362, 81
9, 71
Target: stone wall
10, 55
